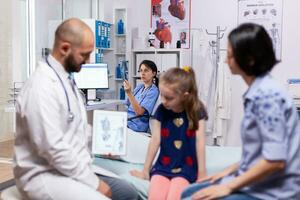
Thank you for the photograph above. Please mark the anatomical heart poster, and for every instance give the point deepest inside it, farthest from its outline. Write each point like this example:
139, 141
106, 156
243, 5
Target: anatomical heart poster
170, 21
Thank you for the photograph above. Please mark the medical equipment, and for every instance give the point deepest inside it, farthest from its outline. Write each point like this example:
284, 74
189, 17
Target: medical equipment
70, 113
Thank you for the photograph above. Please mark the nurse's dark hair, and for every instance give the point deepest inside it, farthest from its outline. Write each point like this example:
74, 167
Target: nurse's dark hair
252, 49
181, 81
151, 65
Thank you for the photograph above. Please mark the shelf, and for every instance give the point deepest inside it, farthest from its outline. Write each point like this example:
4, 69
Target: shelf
120, 54
106, 49
120, 35
158, 50
120, 44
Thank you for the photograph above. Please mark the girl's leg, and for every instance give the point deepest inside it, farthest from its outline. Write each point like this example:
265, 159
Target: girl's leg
159, 187
178, 184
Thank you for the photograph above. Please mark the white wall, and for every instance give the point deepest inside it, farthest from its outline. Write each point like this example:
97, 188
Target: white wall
289, 66
209, 14
45, 11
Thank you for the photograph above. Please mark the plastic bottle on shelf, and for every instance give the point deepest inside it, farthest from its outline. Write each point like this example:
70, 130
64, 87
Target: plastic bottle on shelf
118, 71
122, 93
151, 39
178, 44
122, 72
161, 44
120, 27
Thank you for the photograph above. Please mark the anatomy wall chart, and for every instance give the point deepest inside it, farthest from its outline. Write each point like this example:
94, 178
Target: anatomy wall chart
170, 21
267, 13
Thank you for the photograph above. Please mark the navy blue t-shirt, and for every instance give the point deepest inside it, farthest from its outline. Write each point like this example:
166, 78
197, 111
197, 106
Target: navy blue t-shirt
177, 157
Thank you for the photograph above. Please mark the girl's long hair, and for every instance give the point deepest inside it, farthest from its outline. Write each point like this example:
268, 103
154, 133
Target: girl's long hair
183, 80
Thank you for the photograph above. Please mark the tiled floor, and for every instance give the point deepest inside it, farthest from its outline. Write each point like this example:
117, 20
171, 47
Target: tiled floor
6, 173
6, 149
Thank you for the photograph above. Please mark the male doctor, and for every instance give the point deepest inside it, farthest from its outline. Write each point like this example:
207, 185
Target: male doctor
52, 159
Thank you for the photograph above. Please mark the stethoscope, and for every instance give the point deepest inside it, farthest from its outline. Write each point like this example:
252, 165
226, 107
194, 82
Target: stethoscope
70, 113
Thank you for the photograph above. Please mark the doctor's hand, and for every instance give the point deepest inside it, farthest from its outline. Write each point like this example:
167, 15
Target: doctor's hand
127, 86
212, 192
104, 189
140, 174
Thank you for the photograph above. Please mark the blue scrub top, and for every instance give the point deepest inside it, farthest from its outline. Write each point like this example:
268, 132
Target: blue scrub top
147, 99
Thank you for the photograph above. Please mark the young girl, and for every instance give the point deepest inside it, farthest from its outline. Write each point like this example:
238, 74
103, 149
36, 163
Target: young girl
179, 133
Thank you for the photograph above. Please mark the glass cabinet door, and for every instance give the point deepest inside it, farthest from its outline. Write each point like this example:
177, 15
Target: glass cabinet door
26, 36
13, 60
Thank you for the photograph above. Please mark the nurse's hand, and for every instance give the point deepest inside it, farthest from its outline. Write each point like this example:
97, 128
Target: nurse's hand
104, 189
140, 174
127, 86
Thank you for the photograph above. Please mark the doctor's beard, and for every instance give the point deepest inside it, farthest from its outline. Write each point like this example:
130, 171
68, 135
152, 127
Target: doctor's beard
71, 65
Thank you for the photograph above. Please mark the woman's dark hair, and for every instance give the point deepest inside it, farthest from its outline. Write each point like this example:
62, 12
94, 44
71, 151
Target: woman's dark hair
151, 65
252, 49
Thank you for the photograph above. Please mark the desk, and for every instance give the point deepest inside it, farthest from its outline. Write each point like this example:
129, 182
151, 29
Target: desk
104, 104
6, 175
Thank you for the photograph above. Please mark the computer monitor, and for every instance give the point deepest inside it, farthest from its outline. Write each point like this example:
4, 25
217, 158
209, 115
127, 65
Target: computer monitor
92, 77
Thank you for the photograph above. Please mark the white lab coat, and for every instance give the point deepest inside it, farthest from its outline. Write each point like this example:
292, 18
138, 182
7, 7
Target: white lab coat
222, 103
214, 89
51, 154
206, 81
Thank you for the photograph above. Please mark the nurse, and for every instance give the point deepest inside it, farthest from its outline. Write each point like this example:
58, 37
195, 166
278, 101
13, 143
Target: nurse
141, 101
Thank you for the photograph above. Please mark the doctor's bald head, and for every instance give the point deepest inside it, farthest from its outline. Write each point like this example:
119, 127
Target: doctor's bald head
74, 41
72, 30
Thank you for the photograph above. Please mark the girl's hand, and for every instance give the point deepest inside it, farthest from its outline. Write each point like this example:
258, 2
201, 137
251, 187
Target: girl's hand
140, 174
202, 177
212, 192
127, 86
